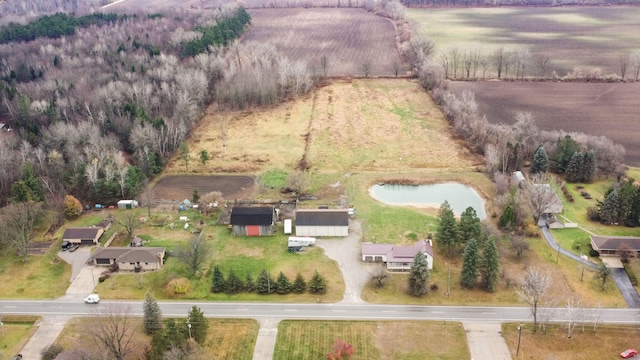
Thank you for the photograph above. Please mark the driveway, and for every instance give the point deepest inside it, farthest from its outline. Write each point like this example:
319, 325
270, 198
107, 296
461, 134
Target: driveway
83, 277
346, 251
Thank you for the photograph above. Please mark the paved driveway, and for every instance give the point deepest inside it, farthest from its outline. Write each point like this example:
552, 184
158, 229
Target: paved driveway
83, 277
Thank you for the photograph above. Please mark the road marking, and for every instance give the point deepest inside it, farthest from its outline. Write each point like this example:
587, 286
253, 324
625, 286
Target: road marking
489, 313
242, 309
388, 311
10, 307
437, 312
339, 310
290, 310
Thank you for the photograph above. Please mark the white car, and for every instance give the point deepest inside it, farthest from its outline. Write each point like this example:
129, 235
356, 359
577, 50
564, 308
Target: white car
92, 299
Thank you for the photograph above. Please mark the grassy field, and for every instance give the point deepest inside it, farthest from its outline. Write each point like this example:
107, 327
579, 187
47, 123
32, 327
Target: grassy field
582, 37
228, 339
607, 342
16, 331
405, 340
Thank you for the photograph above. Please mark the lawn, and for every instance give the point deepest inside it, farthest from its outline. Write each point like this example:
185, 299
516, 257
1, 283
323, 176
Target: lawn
605, 343
402, 340
16, 331
231, 339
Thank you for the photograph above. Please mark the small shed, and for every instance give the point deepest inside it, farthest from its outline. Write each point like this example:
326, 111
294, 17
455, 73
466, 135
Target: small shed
253, 221
322, 222
288, 226
127, 204
185, 204
83, 235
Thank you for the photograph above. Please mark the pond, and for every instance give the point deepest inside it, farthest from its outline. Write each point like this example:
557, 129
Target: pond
459, 196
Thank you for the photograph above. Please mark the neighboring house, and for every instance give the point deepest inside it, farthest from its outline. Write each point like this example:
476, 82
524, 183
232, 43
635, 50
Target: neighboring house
83, 235
322, 222
609, 245
253, 221
131, 258
399, 258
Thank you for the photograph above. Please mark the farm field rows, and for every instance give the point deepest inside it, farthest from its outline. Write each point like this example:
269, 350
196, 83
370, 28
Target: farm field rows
348, 38
609, 110
582, 37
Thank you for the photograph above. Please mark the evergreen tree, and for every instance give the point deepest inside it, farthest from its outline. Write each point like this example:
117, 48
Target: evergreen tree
447, 232
152, 320
233, 284
317, 284
199, 325
469, 226
490, 265
283, 285
564, 151
249, 285
217, 281
419, 276
574, 172
590, 167
264, 283
470, 264
508, 218
299, 284
540, 163
609, 209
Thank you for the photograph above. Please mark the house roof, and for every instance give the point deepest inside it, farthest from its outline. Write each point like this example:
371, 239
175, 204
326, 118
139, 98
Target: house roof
130, 254
614, 243
322, 217
81, 233
397, 253
252, 215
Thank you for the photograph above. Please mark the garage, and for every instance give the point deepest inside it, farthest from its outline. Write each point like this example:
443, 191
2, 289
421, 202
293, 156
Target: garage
322, 222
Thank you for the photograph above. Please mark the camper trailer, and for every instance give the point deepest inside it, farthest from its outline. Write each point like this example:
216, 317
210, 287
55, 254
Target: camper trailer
301, 241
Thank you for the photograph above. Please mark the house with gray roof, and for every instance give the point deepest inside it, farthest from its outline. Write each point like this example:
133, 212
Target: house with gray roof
610, 245
83, 235
397, 258
130, 258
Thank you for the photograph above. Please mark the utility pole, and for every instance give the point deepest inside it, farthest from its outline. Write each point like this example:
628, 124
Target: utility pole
448, 281
3, 337
519, 335
558, 255
189, 327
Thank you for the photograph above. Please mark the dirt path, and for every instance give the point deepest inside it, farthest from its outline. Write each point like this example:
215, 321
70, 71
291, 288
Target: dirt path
346, 252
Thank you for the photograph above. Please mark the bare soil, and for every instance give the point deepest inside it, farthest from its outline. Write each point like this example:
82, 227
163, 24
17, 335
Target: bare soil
180, 187
349, 38
605, 109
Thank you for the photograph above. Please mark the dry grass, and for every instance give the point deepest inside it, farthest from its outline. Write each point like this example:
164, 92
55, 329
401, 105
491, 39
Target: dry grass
372, 339
379, 125
606, 343
231, 339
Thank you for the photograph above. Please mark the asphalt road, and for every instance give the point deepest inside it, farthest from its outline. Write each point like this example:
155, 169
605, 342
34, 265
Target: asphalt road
320, 311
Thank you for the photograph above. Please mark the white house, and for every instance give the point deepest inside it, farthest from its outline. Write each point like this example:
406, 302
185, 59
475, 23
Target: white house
399, 258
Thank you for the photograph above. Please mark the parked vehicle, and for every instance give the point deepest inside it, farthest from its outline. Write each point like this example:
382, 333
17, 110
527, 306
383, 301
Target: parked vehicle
92, 299
629, 353
65, 245
74, 248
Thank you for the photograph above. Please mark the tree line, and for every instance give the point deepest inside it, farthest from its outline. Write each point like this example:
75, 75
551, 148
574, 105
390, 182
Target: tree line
221, 34
265, 284
493, 3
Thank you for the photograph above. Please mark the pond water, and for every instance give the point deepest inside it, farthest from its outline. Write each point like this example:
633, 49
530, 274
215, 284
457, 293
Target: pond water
459, 196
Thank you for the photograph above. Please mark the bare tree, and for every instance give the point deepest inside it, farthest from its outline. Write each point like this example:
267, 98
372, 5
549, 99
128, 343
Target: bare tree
113, 329
379, 274
540, 194
366, 68
196, 254
128, 220
542, 63
623, 65
574, 314
499, 60
533, 288
520, 245
324, 65
545, 314
18, 225
634, 59
298, 181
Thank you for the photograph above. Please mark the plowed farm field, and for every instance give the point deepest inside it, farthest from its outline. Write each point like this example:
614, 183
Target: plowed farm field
609, 110
349, 38
180, 187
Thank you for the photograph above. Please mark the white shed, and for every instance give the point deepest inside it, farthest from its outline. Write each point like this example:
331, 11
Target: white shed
322, 222
127, 204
